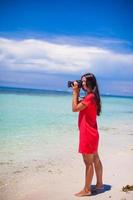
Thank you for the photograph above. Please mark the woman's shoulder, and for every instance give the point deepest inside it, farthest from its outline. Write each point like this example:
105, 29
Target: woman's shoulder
90, 96
89, 99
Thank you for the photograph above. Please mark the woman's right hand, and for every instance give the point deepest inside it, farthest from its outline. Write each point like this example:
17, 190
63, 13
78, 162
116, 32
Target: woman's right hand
75, 88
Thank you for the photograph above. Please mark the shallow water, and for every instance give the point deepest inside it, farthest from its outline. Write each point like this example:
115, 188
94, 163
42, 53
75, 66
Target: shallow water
42, 125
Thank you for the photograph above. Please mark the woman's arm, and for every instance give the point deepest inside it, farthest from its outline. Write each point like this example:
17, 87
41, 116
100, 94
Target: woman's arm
76, 105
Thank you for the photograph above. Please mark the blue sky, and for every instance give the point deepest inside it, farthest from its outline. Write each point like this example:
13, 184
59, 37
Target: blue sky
45, 43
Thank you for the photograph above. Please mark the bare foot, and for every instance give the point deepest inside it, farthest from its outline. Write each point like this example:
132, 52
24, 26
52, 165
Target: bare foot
83, 193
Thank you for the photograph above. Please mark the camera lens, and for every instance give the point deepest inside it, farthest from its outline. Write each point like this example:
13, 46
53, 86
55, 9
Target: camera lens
70, 83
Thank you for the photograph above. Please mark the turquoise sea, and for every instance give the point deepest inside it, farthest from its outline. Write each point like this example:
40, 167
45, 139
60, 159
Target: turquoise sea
40, 124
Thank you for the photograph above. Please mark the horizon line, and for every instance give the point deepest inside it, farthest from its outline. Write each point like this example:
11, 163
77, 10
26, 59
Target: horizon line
26, 91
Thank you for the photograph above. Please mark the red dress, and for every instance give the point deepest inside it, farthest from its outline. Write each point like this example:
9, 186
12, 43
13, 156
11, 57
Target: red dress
87, 123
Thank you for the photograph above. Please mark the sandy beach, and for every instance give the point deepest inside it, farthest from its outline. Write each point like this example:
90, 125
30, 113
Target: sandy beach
59, 179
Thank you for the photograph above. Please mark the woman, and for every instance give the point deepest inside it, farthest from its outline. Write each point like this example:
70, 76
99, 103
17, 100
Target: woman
88, 109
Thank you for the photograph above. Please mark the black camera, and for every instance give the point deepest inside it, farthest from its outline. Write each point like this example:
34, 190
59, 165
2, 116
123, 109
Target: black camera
71, 83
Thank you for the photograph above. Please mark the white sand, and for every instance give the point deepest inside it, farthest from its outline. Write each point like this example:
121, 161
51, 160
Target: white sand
60, 179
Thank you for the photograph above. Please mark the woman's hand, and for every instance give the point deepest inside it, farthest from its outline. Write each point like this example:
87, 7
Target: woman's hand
75, 88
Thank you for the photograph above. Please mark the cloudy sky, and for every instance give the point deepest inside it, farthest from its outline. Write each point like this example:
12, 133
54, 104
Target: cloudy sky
43, 44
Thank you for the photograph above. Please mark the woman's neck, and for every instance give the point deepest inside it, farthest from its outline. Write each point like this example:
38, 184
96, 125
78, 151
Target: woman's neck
88, 91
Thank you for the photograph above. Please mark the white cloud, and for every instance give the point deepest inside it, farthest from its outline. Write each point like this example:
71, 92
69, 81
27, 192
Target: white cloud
45, 56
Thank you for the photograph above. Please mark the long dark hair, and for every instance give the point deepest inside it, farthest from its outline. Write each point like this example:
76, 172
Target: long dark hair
91, 82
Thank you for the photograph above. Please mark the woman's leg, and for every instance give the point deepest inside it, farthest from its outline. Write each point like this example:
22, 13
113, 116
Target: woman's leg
88, 160
98, 170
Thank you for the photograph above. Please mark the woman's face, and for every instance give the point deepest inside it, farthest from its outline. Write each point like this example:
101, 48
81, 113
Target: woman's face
84, 86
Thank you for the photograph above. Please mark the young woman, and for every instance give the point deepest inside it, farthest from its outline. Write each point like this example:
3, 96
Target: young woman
88, 109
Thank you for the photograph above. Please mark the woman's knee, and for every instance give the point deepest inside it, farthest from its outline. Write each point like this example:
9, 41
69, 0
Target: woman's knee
96, 158
88, 159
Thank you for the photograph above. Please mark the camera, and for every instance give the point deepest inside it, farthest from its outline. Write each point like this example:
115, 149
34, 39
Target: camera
71, 83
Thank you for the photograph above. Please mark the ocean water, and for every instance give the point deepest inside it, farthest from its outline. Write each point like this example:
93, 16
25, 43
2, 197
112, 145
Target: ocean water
41, 125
